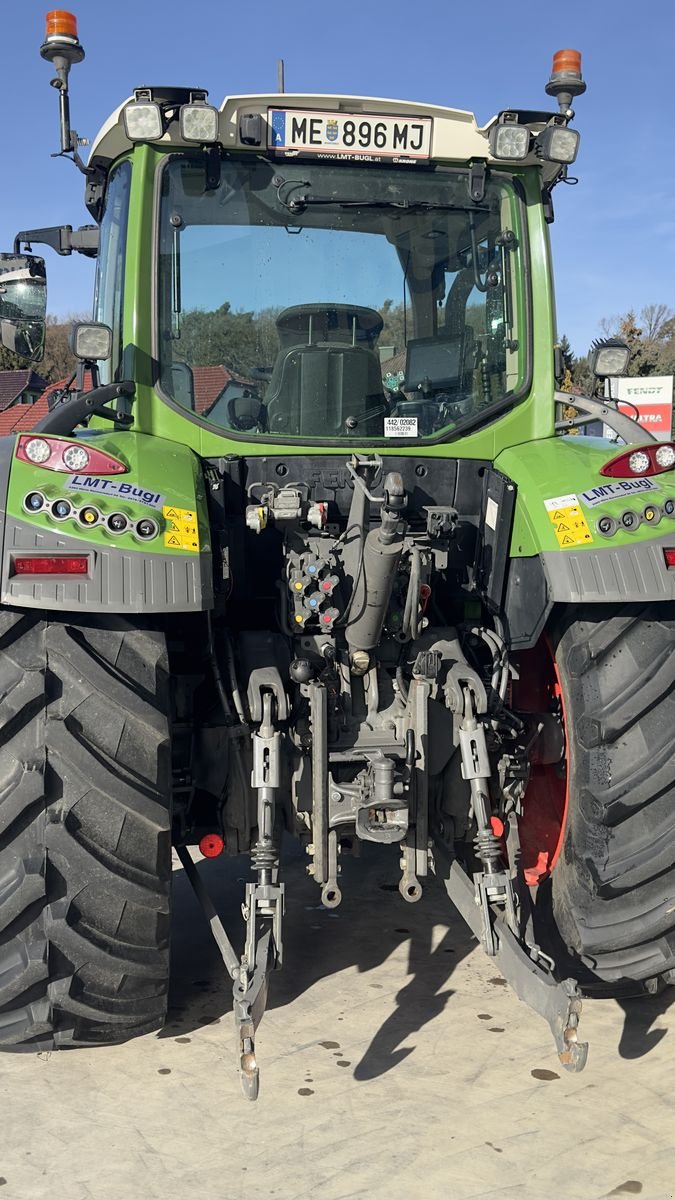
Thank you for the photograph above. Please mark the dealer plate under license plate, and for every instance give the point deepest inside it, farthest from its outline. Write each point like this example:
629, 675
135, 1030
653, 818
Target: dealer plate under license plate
354, 136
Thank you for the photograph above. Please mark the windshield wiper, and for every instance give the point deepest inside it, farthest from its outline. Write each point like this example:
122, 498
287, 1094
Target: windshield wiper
301, 202
296, 204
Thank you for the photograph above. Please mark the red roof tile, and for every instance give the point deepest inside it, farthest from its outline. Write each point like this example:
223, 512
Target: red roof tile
208, 384
23, 416
13, 383
26, 416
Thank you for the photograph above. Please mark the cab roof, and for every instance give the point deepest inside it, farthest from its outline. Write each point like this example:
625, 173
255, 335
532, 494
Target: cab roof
455, 134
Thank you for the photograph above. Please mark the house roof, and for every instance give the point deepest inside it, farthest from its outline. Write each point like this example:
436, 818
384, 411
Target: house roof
13, 383
208, 384
21, 417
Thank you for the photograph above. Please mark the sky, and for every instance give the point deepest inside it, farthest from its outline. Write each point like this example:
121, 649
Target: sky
614, 235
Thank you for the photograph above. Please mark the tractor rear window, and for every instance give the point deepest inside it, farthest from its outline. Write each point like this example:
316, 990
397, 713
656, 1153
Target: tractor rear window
321, 302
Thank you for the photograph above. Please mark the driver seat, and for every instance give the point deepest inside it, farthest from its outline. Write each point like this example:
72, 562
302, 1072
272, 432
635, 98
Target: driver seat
327, 370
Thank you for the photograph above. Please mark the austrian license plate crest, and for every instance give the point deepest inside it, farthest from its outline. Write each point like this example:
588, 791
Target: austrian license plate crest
357, 137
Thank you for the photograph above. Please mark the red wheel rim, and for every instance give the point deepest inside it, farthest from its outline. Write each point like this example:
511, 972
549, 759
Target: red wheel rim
542, 824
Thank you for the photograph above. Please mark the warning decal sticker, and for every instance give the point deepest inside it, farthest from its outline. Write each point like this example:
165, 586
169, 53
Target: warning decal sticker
181, 528
569, 523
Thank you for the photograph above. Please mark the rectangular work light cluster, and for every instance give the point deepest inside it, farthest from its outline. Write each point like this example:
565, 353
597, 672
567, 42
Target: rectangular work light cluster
512, 141
146, 121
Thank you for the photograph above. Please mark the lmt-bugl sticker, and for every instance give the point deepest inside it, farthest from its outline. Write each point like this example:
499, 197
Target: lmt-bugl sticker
569, 523
114, 489
618, 490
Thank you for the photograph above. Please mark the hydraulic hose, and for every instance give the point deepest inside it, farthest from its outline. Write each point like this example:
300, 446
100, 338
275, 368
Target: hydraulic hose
411, 610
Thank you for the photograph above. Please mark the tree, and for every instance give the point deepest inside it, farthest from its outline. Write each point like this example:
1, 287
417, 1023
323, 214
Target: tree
566, 352
651, 338
394, 328
221, 337
583, 377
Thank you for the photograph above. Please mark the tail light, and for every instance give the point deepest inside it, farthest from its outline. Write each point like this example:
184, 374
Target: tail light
53, 564
669, 556
651, 459
56, 454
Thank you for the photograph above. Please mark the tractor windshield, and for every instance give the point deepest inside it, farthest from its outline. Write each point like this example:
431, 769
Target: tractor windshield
324, 302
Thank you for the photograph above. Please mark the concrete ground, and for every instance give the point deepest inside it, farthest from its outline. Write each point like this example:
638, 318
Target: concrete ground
395, 1065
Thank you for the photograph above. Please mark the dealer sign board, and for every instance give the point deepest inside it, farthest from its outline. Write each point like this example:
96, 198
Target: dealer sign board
652, 396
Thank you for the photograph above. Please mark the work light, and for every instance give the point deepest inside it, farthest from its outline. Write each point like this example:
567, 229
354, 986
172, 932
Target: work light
609, 357
91, 341
509, 141
143, 121
557, 143
198, 123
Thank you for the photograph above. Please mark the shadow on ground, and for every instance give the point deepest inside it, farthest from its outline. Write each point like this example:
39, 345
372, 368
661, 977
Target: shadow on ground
369, 925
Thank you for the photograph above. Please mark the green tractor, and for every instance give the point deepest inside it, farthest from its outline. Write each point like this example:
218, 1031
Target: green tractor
312, 545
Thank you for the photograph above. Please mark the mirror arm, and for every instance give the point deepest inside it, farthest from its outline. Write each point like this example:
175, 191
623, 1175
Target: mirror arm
62, 238
66, 416
594, 410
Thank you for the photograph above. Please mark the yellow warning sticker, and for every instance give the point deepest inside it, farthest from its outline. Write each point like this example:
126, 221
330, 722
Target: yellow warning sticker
569, 523
181, 516
179, 541
181, 528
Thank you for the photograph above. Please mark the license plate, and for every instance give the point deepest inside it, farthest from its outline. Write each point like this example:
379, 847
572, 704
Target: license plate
353, 136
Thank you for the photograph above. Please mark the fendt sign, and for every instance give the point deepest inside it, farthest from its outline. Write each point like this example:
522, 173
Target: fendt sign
652, 396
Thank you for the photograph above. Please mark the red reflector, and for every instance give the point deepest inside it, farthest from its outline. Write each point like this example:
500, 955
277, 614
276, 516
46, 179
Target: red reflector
53, 565
497, 826
211, 845
669, 556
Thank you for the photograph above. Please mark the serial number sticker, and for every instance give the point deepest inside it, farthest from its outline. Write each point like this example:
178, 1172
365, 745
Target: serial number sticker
618, 490
400, 426
560, 502
354, 136
569, 523
113, 488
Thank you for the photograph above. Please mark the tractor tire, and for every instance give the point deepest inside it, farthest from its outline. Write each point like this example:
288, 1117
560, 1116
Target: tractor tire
85, 834
612, 889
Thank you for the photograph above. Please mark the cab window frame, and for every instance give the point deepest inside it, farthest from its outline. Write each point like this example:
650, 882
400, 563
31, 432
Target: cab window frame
521, 300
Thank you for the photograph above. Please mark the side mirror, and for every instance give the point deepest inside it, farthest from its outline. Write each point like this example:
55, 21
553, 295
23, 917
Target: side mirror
609, 357
23, 305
